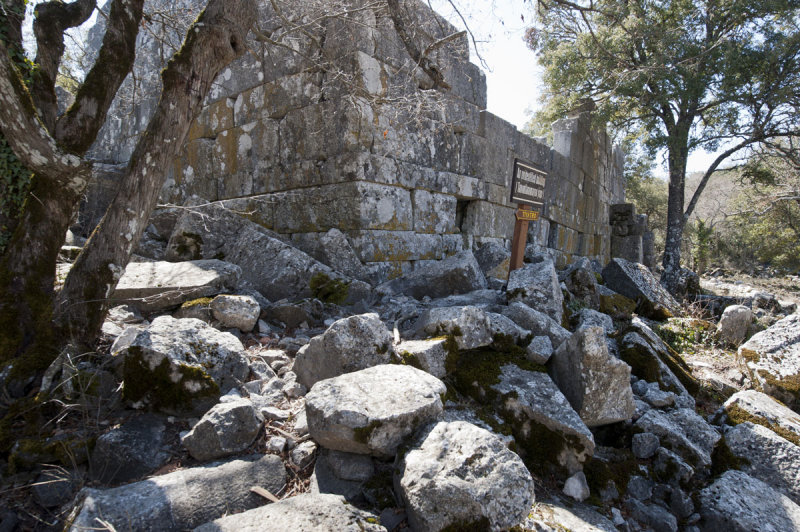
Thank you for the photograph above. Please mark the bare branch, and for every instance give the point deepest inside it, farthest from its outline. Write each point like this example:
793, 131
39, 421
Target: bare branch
52, 20
77, 129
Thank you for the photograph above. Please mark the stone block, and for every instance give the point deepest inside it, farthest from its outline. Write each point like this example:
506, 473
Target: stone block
346, 206
212, 120
243, 73
395, 246
488, 219
433, 212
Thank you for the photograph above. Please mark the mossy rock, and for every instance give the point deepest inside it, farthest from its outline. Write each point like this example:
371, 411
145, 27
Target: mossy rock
738, 415
616, 305
329, 290
194, 392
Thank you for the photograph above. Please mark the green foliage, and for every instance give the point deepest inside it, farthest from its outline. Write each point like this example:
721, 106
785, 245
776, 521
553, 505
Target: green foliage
701, 249
674, 76
329, 290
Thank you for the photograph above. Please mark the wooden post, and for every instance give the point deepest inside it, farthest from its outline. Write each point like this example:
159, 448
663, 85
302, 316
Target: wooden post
519, 241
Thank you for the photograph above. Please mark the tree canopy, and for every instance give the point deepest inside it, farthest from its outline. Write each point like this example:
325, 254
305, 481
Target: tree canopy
677, 75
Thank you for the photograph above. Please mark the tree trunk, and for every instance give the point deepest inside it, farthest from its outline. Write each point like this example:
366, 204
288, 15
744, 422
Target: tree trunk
216, 39
27, 274
678, 153
27, 267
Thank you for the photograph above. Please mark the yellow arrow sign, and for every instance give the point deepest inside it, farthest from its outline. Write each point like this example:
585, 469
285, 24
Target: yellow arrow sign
530, 216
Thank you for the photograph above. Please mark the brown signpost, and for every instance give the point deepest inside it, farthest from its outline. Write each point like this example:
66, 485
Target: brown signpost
527, 190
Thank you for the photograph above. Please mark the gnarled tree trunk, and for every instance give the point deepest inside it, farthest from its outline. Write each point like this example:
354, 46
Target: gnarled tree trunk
52, 151
216, 39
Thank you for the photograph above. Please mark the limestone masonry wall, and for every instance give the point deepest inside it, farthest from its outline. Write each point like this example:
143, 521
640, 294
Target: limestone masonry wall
349, 135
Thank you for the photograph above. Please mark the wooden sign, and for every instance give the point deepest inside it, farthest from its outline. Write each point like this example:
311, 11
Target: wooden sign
527, 190
527, 184
528, 216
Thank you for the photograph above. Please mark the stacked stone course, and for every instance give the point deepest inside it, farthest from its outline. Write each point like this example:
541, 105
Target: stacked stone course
350, 136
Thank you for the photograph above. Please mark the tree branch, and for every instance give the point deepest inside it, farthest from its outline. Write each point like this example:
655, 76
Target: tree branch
28, 137
52, 20
77, 129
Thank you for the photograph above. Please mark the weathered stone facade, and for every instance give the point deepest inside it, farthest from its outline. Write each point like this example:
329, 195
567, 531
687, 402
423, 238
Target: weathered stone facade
349, 135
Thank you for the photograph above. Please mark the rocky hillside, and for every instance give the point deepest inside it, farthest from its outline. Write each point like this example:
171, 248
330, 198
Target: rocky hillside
254, 390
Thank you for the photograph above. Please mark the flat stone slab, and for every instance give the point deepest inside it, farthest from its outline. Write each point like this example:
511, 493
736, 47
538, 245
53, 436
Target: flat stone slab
636, 282
459, 474
760, 408
772, 358
374, 410
184, 499
153, 286
737, 502
299, 514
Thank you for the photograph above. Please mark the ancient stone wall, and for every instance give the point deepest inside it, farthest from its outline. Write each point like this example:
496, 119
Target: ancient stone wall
340, 129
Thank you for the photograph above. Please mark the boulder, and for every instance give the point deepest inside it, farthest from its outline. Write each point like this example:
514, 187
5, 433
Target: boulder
760, 408
539, 350
181, 500
300, 513
614, 304
537, 286
212, 230
350, 466
350, 344
685, 432
766, 456
479, 298
538, 323
557, 514
582, 284
591, 318
734, 324
737, 502
334, 250
505, 326
238, 312
471, 327
596, 384
548, 432
458, 274
656, 517
374, 410
179, 366
226, 429
653, 360
154, 286
772, 358
636, 282
129, 452
494, 260
427, 355
460, 476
